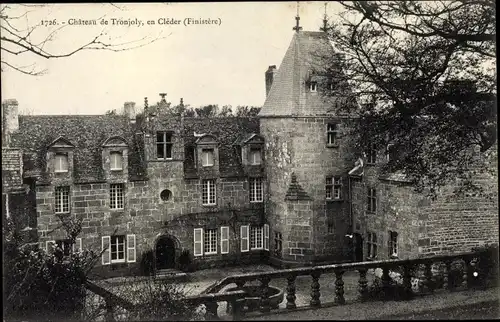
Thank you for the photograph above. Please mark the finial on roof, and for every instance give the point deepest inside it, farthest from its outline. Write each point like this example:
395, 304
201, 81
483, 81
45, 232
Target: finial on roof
182, 102
325, 21
297, 19
145, 102
163, 100
294, 178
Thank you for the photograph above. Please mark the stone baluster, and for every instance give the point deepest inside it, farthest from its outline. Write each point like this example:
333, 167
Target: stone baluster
447, 284
465, 273
428, 277
290, 291
315, 293
408, 292
264, 295
211, 310
362, 284
339, 287
386, 282
237, 309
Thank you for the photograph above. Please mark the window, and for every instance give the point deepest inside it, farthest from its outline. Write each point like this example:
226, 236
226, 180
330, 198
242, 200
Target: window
207, 157
391, 153
165, 195
331, 133
61, 163
65, 246
330, 228
372, 200
330, 86
278, 243
62, 200
313, 87
333, 188
117, 249
256, 237
116, 196
116, 161
163, 145
244, 243
208, 193
255, 156
256, 194
210, 241
372, 245
371, 155
113, 249
393, 244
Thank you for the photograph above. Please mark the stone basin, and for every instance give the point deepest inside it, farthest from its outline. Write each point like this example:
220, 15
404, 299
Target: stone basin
252, 300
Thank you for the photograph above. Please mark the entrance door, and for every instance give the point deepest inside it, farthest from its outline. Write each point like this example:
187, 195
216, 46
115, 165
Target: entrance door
358, 247
165, 253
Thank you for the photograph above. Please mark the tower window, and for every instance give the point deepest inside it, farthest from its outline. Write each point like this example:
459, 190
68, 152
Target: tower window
331, 134
313, 87
164, 145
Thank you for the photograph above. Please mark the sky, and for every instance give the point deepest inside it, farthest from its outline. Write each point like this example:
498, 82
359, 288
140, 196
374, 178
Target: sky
203, 64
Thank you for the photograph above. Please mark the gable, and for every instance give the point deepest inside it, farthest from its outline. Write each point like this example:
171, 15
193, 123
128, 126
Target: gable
207, 139
115, 141
61, 143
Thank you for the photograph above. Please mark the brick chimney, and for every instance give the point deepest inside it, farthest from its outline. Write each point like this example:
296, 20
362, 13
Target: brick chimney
10, 119
129, 111
270, 73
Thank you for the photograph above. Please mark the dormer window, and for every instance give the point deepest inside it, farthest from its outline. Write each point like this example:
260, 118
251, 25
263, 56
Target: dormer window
255, 156
313, 87
164, 145
116, 161
207, 157
61, 163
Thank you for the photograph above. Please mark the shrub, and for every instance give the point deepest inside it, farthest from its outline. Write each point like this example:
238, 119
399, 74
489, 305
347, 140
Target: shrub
394, 291
147, 263
186, 263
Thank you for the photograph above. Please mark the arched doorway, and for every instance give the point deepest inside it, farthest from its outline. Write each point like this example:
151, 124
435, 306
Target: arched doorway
165, 253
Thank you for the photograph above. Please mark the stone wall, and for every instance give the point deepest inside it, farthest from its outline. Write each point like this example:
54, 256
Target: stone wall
299, 145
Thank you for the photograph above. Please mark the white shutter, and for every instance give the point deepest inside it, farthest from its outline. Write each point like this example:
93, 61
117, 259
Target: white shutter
50, 245
244, 239
224, 240
266, 236
106, 250
131, 248
198, 241
77, 246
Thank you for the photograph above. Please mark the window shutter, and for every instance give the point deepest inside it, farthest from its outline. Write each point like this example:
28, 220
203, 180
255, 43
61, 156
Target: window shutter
50, 245
224, 240
131, 248
244, 239
198, 241
266, 236
106, 250
77, 246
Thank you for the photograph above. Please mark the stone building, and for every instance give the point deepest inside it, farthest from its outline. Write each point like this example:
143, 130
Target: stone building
284, 188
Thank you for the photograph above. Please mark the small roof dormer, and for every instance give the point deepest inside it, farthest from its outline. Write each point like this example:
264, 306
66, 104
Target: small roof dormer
61, 142
115, 142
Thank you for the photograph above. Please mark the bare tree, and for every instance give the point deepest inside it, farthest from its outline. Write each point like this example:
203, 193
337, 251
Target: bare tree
18, 34
424, 75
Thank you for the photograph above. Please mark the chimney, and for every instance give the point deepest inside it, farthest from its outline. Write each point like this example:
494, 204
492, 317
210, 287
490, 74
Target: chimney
10, 119
129, 111
271, 71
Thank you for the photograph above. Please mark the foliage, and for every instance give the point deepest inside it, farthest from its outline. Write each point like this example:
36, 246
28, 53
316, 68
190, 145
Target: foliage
186, 263
247, 111
111, 112
424, 76
207, 110
394, 291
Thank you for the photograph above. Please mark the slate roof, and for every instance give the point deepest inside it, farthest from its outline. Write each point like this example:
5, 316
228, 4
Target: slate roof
87, 133
309, 54
295, 191
227, 131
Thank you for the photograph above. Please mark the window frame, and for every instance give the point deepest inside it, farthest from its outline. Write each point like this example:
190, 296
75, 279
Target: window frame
313, 87
333, 184
59, 194
393, 244
114, 241
371, 156
256, 235
114, 194
256, 187
332, 132
372, 245
210, 186
210, 243
111, 158
203, 159
252, 158
66, 157
371, 200
164, 144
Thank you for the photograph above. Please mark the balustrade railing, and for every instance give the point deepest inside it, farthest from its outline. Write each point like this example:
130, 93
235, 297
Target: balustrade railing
409, 271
